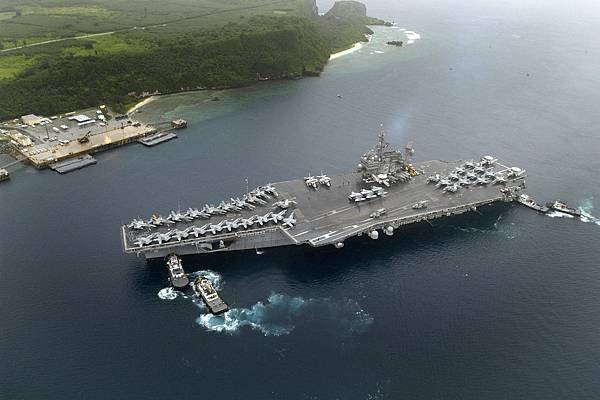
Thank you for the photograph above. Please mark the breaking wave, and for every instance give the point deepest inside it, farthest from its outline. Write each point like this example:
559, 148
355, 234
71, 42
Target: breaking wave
168, 293
280, 313
412, 36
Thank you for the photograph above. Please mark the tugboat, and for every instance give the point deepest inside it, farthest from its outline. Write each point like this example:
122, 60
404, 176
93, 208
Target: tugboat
564, 208
529, 202
4, 175
204, 289
179, 279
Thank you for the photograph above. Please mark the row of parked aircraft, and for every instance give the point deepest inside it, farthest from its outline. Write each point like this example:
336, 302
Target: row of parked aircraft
225, 225
315, 181
367, 194
479, 173
258, 196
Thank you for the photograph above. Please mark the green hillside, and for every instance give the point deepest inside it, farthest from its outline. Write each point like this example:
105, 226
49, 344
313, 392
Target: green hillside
184, 45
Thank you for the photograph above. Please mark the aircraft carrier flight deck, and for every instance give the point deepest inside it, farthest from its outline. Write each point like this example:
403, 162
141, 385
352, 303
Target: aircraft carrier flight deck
386, 192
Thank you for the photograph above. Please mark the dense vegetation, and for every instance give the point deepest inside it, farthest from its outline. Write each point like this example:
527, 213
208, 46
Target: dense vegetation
118, 69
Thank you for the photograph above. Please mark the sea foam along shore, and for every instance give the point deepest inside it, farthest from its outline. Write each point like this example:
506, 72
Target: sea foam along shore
141, 104
352, 49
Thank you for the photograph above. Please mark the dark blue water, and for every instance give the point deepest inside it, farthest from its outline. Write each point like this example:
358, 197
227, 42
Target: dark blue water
505, 304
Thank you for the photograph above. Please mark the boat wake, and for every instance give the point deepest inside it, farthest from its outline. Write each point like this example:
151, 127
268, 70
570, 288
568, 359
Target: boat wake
586, 212
280, 313
168, 293
215, 279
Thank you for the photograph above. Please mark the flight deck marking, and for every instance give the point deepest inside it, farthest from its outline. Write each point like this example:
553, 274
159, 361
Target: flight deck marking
301, 233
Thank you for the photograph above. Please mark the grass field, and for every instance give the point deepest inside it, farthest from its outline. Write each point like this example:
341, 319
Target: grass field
11, 65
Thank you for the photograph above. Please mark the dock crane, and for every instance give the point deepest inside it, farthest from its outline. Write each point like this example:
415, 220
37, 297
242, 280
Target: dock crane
85, 138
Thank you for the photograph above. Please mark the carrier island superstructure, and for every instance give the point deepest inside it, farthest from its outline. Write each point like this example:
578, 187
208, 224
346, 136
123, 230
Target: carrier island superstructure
388, 190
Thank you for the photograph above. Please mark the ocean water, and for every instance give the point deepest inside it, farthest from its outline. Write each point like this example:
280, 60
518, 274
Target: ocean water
500, 304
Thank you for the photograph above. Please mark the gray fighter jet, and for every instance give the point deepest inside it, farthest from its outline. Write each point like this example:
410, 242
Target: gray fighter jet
139, 224
289, 221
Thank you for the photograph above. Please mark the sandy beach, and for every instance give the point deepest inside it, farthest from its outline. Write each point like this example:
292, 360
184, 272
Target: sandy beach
141, 104
345, 52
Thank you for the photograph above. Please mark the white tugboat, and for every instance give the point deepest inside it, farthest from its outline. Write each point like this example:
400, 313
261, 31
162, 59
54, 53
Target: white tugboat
204, 289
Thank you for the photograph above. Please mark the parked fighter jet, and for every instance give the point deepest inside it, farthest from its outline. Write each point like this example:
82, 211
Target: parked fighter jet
199, 231
451, 188
499, 180
420, 204
460, 171
289, 221
434, 178
214, 228
482, 181
195, 213
324, 179
284, 204
143, 241
488, 160
516, 172
478, 169
270, 189
246, 222
444, 182
355, 195
263, 219
471, 176
469, 165
156, 221
178, 216
378, 191
162, 237
277, 217
139, 224
177, 234
464, 182
311, 181
381, 179
212, 210
229, 225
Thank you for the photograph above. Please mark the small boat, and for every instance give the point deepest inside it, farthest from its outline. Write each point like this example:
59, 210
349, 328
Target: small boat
564, 208
529, 202
178, 277
204, 289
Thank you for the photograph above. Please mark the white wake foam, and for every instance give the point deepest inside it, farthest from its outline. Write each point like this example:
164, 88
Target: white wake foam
378, 51
279, 314
586, 212
167, 293
214, 278
558, 214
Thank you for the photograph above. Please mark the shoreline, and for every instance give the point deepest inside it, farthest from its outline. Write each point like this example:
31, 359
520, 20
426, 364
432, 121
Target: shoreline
355, 47
141, 104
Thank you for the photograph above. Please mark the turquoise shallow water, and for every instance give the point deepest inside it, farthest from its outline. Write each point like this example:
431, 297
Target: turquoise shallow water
499, 305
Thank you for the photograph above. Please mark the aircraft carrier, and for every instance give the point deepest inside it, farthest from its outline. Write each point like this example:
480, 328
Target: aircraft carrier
386, 192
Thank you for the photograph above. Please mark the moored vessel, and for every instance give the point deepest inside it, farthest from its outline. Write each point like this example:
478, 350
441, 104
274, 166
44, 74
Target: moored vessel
177, 275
